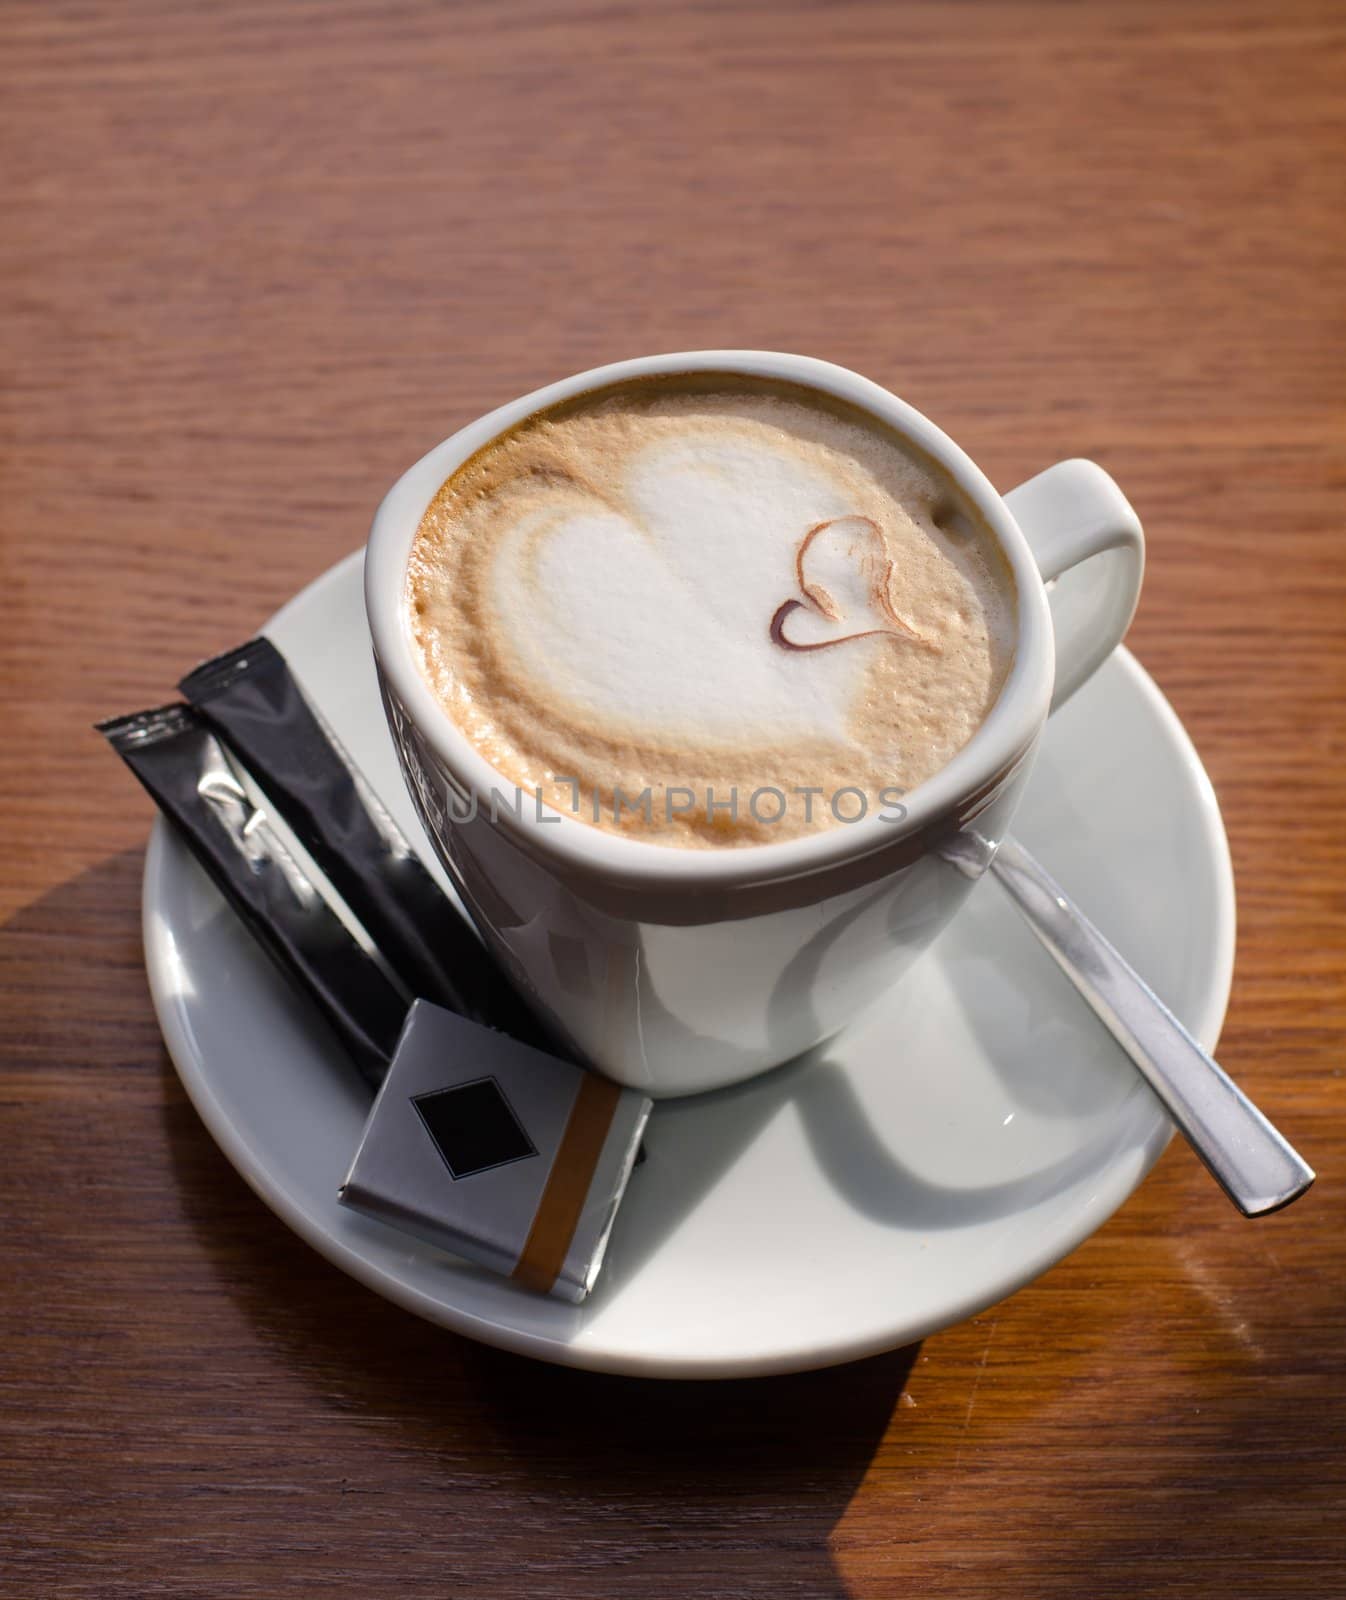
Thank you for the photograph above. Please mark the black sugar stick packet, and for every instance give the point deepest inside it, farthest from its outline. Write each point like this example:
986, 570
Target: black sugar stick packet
193, 782
477, 1142
251, 698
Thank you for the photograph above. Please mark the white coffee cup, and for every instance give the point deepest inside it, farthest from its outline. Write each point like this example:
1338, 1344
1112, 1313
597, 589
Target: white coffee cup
683, 970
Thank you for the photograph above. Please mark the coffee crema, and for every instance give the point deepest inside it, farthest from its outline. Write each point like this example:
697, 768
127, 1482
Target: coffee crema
664, 604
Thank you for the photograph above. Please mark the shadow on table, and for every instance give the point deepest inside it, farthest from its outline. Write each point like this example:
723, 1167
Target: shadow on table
599, 1467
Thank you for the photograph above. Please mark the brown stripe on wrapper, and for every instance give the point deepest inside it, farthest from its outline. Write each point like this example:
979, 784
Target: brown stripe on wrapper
567, 1187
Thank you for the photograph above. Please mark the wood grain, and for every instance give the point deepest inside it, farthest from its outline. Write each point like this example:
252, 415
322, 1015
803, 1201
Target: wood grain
254, 260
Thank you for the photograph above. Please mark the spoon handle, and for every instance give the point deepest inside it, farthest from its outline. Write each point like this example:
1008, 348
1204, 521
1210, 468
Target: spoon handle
1247, 1157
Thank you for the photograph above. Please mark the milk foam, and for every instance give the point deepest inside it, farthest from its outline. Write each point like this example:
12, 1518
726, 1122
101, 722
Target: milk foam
733, 590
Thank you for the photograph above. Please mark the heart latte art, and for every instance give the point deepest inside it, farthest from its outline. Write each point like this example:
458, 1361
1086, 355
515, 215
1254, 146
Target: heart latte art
663, 600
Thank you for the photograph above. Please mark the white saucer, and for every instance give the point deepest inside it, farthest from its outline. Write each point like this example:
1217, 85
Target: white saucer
959, 1138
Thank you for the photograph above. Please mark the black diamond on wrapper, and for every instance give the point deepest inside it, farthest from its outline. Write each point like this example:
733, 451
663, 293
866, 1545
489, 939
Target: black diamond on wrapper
474, 1127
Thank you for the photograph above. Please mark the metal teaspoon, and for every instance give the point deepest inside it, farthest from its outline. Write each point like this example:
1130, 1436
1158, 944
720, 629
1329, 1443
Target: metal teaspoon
1254, 1165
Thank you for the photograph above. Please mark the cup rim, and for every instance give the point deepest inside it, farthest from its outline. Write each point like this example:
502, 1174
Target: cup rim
576, 847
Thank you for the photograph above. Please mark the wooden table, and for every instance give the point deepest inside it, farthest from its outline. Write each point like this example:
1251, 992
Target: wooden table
253, 261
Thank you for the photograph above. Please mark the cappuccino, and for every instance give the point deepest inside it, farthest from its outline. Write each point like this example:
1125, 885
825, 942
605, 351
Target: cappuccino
709, 611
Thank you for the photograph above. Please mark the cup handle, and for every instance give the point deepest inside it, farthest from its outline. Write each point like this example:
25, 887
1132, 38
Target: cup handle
1074, 516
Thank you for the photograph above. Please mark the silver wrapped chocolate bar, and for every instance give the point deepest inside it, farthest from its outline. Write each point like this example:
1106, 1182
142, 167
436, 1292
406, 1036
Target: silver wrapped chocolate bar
498, 1152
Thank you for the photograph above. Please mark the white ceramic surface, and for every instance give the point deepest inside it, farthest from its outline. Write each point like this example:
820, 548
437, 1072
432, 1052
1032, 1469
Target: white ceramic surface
966, 1132
677, 971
